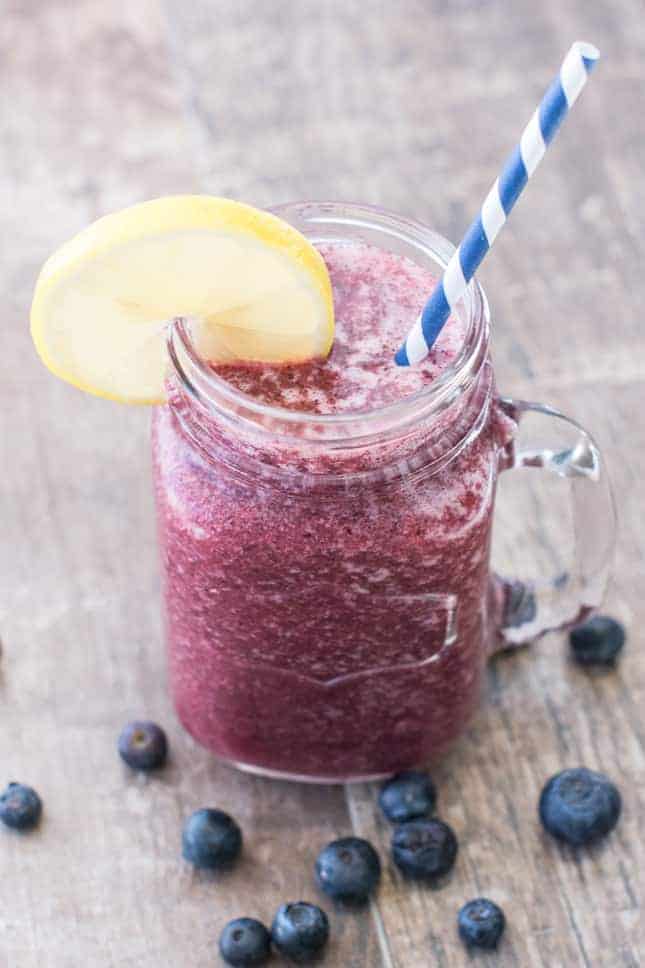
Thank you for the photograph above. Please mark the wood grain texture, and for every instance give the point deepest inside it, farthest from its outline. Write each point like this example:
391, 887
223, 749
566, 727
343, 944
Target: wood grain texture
411, 106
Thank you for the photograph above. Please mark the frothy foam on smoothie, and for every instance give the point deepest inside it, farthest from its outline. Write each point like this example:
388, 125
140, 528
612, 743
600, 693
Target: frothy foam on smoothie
377, 297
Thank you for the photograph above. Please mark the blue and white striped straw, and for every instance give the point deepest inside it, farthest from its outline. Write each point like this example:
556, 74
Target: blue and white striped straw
519, 167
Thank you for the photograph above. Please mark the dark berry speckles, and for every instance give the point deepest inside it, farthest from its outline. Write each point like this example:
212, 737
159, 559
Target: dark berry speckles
579, 806
20, 807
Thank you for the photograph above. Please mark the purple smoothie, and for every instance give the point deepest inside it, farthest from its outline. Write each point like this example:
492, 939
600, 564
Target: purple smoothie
328, 607
376, 295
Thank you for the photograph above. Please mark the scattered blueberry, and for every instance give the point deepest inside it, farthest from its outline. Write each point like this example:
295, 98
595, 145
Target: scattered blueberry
20, 807
300, 931
481, 923
598, 641
424, 849
579, 806
245, 942
348, 869
143, 746
408, 796
211, 839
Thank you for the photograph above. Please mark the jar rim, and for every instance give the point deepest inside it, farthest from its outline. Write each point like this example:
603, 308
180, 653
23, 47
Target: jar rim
225, 402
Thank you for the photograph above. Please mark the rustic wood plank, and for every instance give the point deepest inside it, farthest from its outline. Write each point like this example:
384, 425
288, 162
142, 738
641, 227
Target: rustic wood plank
411, 106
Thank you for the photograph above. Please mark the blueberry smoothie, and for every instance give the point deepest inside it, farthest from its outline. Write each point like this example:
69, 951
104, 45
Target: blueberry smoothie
328, 600
376, 296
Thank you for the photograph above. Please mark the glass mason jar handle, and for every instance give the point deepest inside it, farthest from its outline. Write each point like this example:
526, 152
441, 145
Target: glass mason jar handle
548, 440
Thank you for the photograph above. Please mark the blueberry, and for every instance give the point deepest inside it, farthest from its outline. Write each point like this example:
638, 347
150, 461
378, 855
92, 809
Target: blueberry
211, 839
300, 931
408, 796
481, 923
244, 942
579, 806
348, 869
143, 746
424, 849
20, 807
598, 641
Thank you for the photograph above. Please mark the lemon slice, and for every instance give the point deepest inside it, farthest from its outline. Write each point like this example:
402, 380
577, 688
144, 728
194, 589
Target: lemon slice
257, 287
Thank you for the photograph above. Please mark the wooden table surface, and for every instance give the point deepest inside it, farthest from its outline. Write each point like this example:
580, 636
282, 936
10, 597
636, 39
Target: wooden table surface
409, 105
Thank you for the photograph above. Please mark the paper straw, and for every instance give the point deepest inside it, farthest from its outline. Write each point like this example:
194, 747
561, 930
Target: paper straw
519, 167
